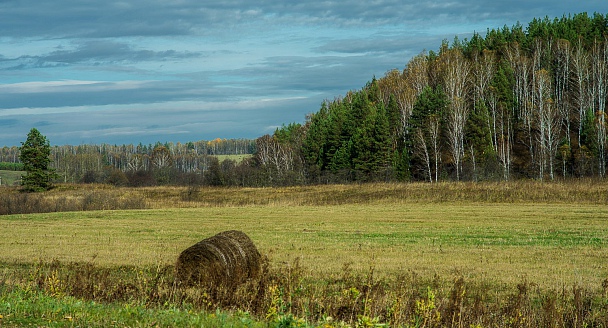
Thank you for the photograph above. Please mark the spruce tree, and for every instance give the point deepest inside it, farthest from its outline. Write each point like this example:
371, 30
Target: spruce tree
35, 156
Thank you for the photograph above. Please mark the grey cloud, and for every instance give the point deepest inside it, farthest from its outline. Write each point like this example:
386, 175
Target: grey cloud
111, 51
8, 122
106, 93
333, 74
296, 74
95, 52
44, 123
408, 41
70, 18
232, 19
148, 125
73, 18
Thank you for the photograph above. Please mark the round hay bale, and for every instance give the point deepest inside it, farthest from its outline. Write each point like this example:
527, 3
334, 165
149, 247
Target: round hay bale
227, 259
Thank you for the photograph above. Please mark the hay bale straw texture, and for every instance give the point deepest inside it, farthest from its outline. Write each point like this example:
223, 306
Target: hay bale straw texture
226, 259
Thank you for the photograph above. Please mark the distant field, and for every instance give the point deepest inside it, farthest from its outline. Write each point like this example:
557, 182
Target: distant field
236, 158
549, 245
10, 177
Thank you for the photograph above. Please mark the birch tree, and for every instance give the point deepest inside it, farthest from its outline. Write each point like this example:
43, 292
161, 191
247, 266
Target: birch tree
521, 67
483, 71
548, 122
580, 84
277, 158
423, 151
501, 129
538, 89
417, 73
455, 77
435, 137
562, 56
161, 157
599, 92
403, 90
415, 80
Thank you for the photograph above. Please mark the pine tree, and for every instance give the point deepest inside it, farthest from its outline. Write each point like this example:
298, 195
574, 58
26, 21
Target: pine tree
382, 140
340, 162
313, 143
363, 156
35, 152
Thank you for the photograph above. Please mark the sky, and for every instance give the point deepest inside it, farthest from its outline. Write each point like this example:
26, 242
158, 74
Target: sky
147, 71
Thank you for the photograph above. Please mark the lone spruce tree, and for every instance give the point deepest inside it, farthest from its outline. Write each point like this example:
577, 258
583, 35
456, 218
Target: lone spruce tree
35, 152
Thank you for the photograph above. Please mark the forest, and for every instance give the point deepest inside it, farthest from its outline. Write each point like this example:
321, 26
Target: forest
516, 103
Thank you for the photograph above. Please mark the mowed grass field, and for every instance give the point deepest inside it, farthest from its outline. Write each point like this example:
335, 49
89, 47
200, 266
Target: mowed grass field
550, 245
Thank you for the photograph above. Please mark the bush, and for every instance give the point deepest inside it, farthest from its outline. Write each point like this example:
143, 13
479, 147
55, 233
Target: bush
141, 179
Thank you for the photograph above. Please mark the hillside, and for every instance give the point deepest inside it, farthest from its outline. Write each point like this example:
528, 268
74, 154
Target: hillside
516, 103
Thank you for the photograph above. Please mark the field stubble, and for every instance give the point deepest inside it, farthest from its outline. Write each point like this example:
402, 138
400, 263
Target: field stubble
547, 244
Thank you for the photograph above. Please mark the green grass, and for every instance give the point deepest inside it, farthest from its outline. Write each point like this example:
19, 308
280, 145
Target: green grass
20, 308
10, 177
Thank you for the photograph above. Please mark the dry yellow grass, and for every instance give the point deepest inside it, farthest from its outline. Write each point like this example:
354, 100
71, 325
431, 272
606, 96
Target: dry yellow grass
552, 245
104, 197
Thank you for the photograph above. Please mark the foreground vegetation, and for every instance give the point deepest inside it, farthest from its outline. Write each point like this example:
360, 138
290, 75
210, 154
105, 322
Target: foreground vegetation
81, 294
522, 254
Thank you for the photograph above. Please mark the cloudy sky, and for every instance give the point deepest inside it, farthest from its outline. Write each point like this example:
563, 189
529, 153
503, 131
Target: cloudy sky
131, 71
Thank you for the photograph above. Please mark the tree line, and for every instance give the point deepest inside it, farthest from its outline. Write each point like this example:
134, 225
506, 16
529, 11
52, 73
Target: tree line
520, 102
136, 165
